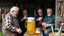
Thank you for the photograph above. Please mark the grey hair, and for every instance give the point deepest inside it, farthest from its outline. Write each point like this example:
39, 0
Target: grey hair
13, 8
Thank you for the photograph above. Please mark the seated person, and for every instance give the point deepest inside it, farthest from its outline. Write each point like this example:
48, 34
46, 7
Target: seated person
49, 20
39, 18
22, 20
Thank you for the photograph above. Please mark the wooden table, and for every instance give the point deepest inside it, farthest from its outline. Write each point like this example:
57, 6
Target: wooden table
56, 34
37, 33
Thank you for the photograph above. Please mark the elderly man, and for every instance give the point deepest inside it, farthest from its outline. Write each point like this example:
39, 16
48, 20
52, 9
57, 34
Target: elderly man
22, 21
11, 23
39, 18
49, 21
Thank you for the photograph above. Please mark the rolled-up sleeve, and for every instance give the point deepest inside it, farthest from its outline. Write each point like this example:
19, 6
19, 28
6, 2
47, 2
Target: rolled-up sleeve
8, 24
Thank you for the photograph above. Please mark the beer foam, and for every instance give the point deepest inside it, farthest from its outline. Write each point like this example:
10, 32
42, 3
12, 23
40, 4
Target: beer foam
30, 19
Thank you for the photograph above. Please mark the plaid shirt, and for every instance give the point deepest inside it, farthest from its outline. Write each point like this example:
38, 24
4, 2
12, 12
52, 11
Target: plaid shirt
9, 23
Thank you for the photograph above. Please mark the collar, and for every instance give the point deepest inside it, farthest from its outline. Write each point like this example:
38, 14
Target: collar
49, 14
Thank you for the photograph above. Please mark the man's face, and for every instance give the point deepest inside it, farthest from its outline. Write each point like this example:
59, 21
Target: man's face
49, 11
25, 12
39, 11
16, 12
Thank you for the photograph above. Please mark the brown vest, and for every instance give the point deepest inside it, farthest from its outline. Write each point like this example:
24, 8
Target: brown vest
15, 22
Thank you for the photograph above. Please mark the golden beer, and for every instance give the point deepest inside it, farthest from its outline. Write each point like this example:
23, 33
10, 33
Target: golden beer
30, 25
38, 34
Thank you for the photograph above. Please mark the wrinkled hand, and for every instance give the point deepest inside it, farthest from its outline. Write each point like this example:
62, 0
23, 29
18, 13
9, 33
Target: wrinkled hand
43, 24
18, 30
46, 25
24, 18
62, 24
40, 18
